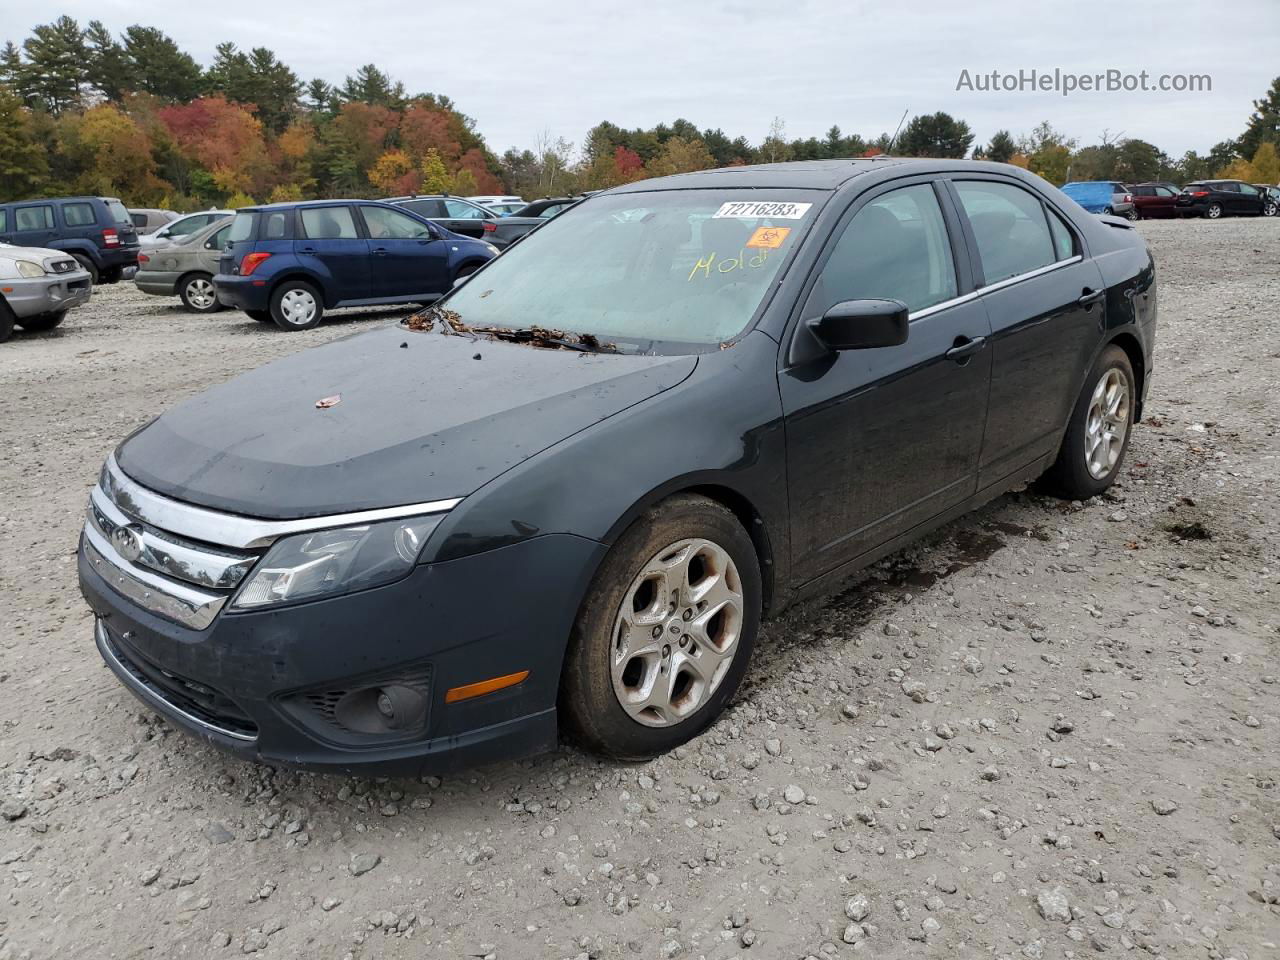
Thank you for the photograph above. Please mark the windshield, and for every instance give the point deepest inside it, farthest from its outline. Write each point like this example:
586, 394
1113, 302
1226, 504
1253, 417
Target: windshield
664, 267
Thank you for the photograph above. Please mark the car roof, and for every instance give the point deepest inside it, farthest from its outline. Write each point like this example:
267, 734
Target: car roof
811, 174
60, 199
299, 204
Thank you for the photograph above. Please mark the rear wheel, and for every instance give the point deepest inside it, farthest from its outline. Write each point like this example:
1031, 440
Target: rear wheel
197, 293
1132, 214
87, 264
295, 305
1213, 211
665, 632
43, 321
1107, 212
1097, 437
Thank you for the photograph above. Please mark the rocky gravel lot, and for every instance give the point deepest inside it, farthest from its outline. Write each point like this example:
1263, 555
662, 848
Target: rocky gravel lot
1050, 730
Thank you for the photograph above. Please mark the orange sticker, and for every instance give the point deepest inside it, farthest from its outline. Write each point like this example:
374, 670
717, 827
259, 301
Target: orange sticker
768, 238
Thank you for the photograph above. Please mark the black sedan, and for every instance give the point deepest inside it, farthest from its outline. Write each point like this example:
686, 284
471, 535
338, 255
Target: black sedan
562, 499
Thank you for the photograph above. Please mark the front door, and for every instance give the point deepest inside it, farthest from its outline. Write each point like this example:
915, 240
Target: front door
1045, 304
330, 236
881, 440
33, 225
408, 258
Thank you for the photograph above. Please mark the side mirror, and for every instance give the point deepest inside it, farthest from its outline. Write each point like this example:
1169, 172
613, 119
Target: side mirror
862, 325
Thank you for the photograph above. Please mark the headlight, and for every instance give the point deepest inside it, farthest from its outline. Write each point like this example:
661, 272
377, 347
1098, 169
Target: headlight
331, 562
29, 268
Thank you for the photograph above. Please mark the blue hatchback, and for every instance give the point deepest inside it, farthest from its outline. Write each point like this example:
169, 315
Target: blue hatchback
289, 262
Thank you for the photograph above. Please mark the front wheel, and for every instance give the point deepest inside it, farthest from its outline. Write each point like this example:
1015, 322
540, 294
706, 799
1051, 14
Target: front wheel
1097, 437
44, 321
296, 305
1269, 209
7, 321
197, 293
665, 632
1213, 211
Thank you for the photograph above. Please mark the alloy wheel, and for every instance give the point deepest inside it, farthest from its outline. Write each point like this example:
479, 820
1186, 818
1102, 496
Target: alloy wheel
1106, 424
1269, 210
200, 293
677, 632
298, 307
1214, 211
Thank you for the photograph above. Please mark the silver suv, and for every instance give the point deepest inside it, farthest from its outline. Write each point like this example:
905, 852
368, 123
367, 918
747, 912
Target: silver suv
38, 287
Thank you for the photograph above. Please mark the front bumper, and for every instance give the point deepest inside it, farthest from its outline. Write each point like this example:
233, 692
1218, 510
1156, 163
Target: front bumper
262, 684
49, 294
242, 293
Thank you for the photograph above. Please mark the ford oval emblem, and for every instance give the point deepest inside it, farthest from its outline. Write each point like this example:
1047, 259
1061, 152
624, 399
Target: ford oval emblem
128, 542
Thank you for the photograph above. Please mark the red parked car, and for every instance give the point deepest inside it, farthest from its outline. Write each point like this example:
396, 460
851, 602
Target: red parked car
1155, 199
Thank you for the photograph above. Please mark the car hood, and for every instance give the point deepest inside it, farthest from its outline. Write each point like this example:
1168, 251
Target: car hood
420, 417
10, 252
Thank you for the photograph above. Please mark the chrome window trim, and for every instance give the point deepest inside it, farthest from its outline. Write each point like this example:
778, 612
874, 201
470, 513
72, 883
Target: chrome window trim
174, 601
233, 530
200, 565
1008, 282
150, 695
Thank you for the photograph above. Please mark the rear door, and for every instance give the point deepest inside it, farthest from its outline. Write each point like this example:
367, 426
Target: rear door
333, 240
33, 224
407, 257
1045, 303
881, 440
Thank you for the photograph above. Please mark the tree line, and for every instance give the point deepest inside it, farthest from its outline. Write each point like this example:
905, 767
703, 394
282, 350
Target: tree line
83, 110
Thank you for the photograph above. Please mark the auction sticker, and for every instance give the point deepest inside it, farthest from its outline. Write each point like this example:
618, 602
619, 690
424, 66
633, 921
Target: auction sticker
768, 238
773, 209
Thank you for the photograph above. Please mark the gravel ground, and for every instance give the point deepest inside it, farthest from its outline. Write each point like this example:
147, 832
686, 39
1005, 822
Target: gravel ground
1050, 730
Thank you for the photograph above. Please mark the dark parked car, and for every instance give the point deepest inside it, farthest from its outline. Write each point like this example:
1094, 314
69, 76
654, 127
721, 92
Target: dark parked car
455, 214
507, 230
1270, 199
289, 262
1108, 197
1155, 200
97, 231
1221, 198
443, 542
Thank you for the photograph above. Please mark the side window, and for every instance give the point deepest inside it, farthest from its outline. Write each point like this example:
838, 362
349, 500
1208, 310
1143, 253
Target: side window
1247, 189
551, 211
188, 225
329, 223
78, 214
1164, 192
33, 218
1225, 187
4, 220
458, 210
139, 219
1009, 226
273, 227
1064, 243
431, 209
219, 239
896, 247
393, 225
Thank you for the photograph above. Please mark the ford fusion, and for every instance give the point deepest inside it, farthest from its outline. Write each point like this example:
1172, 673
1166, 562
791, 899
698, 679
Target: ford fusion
561, 500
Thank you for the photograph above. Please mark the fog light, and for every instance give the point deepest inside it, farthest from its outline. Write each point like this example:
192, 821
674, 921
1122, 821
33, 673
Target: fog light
385, 707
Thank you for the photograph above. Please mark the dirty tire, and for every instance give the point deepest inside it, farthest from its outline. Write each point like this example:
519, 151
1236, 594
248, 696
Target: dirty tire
1070, 476
88, 265
44, 321
7, 321
262, 316
197, 294
590, 711
296, 305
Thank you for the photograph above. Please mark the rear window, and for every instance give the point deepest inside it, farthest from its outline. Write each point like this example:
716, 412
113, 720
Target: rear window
79, 214
118, 213
242, 227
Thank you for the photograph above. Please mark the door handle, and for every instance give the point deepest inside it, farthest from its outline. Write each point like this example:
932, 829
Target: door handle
1088, 297
308, 249
380, 251
965, 348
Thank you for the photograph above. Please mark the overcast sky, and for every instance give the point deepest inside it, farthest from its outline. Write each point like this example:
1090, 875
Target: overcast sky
521, 68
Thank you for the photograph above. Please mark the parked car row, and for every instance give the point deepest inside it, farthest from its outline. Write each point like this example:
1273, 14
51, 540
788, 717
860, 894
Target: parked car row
1203, 198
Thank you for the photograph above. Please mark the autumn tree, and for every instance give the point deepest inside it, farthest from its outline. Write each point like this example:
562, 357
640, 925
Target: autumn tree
435, 178
225, 139
681, 156
1048, 153
114, 154
394, 173
255, 78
